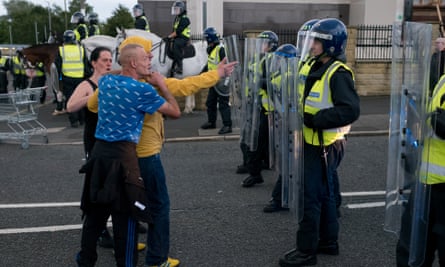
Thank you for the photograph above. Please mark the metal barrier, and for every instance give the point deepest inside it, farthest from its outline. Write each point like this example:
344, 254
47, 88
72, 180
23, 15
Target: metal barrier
374, 43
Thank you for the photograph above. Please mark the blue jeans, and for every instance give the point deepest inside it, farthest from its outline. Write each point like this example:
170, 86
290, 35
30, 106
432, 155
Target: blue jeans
158, 234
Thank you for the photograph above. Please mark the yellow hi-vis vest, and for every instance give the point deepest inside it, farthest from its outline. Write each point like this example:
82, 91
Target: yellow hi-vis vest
72, 60
3, 61
320, 98
39, 72
17, 66
432, 169
213, 59
186, 31
76, 32
147, 26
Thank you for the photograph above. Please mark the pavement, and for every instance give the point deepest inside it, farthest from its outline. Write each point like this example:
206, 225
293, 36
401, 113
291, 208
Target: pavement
374, 120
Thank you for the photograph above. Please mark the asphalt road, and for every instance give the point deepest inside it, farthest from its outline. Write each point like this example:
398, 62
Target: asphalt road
214, 221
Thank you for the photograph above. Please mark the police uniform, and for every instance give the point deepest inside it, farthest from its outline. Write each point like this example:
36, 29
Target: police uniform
93, 29
141, 23
81, 32
4, 67
216, 53
181, 26
19, 73
432, 173
72, 65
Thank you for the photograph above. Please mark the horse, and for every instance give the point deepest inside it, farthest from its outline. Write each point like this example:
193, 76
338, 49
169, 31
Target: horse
163, 64
90, 43
46, 54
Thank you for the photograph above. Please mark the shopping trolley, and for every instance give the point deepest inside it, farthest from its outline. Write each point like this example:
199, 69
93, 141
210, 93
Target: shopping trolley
18, 116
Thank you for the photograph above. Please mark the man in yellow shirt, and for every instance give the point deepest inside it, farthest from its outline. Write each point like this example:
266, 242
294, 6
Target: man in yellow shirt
149, 149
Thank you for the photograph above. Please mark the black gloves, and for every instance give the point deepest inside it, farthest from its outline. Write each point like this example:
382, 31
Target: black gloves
309, 120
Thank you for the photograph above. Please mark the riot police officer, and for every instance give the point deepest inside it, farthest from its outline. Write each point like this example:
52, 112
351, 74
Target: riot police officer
328, 114
4, 67
93, 24
81, 29
180, 33
255, 157
140, 19
216, 53
72, 65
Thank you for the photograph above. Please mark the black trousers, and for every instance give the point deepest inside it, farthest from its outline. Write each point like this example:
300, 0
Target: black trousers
256, 157
178, 46
214, 99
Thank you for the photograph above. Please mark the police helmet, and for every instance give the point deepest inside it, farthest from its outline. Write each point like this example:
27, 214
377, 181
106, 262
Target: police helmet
69, 37
287, 50
93, 18
211, 35
272, 37
77, 18
304, 30
178, 8
138, 10
332, 34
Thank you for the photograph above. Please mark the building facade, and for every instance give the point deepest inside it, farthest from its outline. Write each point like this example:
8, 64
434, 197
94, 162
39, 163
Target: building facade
234, 16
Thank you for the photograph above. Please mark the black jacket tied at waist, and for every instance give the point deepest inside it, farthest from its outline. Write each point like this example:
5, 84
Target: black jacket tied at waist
112, 178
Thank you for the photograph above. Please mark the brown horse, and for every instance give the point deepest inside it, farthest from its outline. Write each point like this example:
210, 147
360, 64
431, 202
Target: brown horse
45, 53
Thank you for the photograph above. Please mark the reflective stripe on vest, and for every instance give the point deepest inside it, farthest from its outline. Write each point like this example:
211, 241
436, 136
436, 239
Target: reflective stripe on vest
432, 169
320, 98
213, 59
186, 31
147, 26
72, 63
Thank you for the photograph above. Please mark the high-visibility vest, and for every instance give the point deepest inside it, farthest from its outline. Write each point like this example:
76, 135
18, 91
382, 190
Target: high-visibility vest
147, 26
432, 170
320, 98
76, 32
213, 59
39, 70
3, 62
186, 31
17, 66
72, 60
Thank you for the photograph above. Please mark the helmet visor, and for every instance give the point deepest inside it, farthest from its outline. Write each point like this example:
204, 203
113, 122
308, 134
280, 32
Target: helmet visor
176, 10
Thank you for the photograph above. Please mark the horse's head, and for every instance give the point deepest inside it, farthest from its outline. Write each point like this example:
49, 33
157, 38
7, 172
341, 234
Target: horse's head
45, 53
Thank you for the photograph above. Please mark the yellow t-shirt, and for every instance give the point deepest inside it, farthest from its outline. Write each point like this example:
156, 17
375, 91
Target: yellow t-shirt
152, 136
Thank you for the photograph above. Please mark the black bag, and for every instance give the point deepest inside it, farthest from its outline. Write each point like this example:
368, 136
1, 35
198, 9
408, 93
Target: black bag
438, 122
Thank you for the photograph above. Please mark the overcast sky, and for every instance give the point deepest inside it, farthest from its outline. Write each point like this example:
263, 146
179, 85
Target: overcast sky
102, 7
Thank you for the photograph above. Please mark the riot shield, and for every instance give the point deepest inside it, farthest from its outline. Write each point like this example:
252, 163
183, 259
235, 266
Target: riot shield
406, 195
250, 97
287, 125
231, 45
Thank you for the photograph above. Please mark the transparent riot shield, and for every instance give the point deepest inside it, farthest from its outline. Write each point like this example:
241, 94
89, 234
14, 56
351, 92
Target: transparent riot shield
231, 45
287, 124
407, 198
253, 78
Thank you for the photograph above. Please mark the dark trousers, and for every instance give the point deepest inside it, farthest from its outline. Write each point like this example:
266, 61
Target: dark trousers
178, 46
319, 222
3, 82
214, 99
435, 233
69, 85
256, 157
20, 81
125, 236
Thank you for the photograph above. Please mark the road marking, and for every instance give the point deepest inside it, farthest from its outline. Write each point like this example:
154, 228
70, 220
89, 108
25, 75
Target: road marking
365, 205
58, 228
54, 228
363, 193
40, 205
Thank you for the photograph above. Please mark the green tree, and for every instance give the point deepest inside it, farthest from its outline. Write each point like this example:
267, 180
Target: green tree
120, 18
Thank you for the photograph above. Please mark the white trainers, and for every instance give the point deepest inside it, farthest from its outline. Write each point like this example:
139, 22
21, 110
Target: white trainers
59, 112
